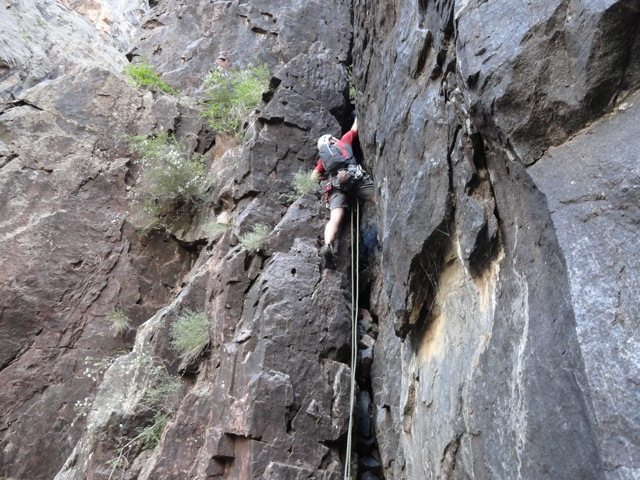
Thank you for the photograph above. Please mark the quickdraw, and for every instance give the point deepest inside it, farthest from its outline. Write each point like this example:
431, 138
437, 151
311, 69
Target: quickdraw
356, 172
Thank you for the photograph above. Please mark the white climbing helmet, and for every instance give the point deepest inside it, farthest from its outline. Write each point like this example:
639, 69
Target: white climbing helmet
324, 141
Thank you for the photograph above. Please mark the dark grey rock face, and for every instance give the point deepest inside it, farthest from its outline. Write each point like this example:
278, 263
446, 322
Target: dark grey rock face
185, 38
486, 299
592, 193
590, 54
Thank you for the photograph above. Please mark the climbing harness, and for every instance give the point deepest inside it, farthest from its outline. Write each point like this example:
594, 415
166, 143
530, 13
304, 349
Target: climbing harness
355, 253
353, 175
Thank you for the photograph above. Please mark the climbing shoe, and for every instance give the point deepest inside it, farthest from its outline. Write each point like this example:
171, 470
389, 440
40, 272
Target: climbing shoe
328, 257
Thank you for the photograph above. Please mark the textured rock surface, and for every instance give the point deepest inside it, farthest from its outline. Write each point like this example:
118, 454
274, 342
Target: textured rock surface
592, 194
118, 21
184, 38
69, 256
507, 315
43, 40
271, 397
501, 260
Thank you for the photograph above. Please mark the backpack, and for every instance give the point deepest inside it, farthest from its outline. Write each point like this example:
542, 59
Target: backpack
336, 157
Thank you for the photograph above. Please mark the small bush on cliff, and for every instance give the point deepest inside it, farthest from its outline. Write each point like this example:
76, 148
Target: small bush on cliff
144, 75
119, 322
353, 91
171, 177
156, 407
190, 335
231, 95
162, 388
214, 228
150, 435
303, 183
159, 399
253, 239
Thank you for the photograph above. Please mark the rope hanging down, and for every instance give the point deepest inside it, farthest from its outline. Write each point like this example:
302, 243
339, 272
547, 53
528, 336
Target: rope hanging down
354, 329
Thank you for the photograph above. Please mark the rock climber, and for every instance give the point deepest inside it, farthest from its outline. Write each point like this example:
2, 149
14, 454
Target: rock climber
342, 178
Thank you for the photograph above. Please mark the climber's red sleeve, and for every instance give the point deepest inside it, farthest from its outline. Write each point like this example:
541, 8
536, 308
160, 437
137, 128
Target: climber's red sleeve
319, 167
349, 137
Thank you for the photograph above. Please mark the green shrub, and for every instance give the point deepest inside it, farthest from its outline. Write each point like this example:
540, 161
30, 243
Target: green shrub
214, 228
119, 322
150, 435
171, 177
303, 183
162, 387
144, 75
160, 400
146, 438
353, 91
190, 335
252, 240
231, 95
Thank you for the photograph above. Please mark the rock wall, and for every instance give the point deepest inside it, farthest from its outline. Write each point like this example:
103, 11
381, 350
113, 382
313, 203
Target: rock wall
271, 398
501, 284
69, 256
499, 260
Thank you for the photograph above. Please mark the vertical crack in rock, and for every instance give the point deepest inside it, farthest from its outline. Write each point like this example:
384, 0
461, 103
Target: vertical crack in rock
450, 458
367, 449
